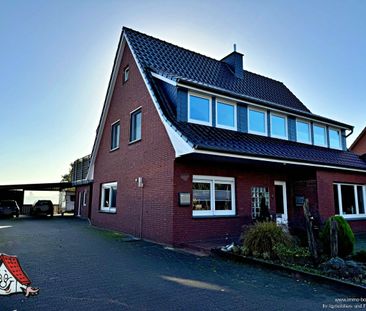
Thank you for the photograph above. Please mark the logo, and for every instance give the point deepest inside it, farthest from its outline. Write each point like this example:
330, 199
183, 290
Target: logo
13, 279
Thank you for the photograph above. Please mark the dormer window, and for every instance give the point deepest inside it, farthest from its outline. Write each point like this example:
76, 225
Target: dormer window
257, 121
320, 137
225, 115
334, 138
126, 73
303, 134
199, 109
278, 126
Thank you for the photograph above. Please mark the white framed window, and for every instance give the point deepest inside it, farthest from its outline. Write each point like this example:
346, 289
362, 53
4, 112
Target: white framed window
108, 197
135, 125
278, 126
84, 197
320, 135
350, 200
257, 121
213, 196
303, 131
258, 193
226, 115
199, 109
335, 138
126, 74
115, 134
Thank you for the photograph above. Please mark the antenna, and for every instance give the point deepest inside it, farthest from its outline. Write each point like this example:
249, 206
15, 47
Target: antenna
234, 47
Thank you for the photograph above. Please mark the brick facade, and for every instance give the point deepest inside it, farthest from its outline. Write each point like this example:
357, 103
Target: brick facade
147, 211
152, 211
325, 180
188, 228
359, 146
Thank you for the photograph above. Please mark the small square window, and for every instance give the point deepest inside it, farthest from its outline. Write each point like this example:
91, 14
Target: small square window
320, 137
126, 74
225, 115
115, 135
334, 139
135, 126
278, 126
199, 109
257, 121
108, 197
303, 134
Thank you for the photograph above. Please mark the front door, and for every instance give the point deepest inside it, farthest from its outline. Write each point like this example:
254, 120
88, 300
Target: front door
281, 202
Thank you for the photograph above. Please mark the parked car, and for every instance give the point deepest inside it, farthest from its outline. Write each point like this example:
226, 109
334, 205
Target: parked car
42, 207
9, 208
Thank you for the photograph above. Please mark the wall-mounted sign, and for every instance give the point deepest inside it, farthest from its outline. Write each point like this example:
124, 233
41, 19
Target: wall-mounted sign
184, 198
299, 200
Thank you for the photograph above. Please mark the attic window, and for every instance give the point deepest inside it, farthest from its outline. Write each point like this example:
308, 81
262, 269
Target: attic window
225, 115
334, 139
257, 120
126, 73
199, 109
303, 134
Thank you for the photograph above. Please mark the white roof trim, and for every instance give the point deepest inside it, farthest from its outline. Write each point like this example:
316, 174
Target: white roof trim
107, 102
165, 79
180, 144
232, 155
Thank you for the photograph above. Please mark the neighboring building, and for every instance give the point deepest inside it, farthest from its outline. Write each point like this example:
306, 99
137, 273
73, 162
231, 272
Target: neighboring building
359, 145
83, 187
66, 201
187, 146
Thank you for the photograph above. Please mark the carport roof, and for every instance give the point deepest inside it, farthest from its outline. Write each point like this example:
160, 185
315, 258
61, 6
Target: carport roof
38, 187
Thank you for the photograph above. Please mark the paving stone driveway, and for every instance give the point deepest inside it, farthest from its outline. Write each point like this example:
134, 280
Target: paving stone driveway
78, 267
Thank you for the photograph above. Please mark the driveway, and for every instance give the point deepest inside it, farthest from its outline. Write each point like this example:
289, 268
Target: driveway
78, 267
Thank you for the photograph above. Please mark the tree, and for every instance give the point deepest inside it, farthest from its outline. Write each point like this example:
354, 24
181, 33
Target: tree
67, 177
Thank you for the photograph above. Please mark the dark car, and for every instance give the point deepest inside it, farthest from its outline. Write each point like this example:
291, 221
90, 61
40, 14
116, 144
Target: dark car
42, 207
9, 208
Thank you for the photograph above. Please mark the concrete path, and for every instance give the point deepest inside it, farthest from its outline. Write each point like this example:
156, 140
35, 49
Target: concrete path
78, 267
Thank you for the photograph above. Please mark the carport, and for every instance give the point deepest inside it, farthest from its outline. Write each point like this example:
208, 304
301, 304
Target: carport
16, 192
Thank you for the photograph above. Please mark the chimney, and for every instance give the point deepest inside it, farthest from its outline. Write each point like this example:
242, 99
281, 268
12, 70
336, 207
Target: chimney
235, 61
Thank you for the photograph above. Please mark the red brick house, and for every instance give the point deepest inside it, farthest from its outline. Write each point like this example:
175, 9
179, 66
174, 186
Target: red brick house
187, 146
359, 145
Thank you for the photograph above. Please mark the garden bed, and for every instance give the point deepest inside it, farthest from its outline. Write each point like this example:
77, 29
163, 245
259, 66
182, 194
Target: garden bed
309, 272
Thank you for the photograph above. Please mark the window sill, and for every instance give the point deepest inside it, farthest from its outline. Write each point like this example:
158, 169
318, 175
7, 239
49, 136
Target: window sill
257, 133
114, 149
134, 141
107, 212
200, 122
214, 216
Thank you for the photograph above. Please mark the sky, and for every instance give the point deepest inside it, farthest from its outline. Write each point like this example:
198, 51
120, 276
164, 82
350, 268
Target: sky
56, 58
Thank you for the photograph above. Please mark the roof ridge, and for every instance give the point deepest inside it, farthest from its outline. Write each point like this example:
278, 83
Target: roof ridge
194, 52
169, 43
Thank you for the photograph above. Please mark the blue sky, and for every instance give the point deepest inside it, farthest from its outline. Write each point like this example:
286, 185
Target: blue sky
56, 58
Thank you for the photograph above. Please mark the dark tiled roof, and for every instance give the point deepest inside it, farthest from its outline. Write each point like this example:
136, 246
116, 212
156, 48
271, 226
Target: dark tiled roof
226, 141
216, 139
174, 61
179, 63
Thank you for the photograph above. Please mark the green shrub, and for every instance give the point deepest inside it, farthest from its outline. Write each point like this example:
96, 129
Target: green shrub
260, 239
346, 238
360, 256
292, 254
